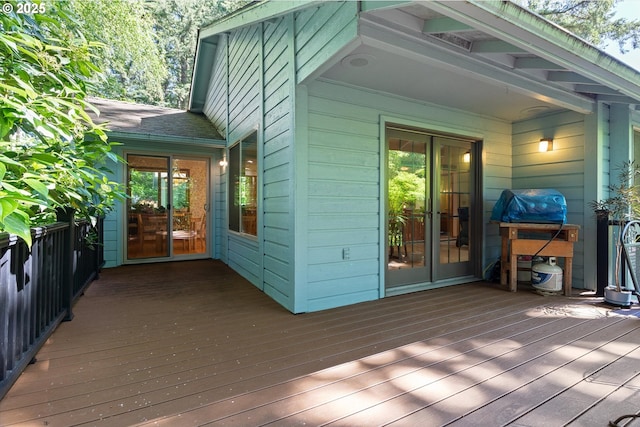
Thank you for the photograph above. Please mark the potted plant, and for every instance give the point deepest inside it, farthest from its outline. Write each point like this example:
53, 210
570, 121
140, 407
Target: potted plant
622, 205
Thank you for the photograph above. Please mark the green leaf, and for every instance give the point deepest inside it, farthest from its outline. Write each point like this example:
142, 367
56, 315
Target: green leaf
38, 186
16, 223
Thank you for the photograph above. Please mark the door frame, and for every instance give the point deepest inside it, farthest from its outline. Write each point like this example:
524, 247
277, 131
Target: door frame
475, 208
210, 193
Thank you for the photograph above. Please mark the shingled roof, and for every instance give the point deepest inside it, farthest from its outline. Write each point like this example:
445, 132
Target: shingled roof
140, 120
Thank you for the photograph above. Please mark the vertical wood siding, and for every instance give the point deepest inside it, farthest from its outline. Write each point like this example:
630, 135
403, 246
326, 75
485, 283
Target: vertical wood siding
561, 169
344, 179
278, 209
321, 32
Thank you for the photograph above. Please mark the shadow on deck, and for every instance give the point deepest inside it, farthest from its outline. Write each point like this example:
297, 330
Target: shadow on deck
192, 343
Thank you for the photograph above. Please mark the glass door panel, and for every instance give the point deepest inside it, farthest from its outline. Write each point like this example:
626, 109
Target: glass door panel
190, 205
147, 207
408, 227
454, 188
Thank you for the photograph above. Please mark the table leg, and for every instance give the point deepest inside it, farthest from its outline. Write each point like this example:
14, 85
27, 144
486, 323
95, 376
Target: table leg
513, 273
504, 258
568, 275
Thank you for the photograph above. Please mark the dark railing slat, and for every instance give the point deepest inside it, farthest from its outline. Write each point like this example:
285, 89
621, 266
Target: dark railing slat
38, 288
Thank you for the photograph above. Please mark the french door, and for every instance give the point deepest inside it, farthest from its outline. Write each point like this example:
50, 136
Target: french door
168, 207
429, 195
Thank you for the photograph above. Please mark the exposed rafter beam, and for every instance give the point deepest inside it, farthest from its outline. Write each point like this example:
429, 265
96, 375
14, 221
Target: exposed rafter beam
536, 63
444, 25
568, 77
494, 46
509, 22
599, 89
612, 99
382, 34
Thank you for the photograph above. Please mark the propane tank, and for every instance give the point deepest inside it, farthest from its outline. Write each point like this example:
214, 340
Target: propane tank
547, 276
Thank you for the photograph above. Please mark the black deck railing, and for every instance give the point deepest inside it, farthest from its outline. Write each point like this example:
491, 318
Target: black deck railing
39, 286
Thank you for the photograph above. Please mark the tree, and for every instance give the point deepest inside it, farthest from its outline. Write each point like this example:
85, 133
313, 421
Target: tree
176, 23
133, 63
594, 21
52, 155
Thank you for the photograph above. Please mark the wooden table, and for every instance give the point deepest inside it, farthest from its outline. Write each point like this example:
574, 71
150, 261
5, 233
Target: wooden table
514, 244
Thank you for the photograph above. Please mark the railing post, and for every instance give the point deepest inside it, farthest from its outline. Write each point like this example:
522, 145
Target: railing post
602, 251
67, 215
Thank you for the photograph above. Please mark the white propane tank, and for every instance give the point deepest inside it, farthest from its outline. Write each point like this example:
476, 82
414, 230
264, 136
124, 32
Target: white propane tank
547, 276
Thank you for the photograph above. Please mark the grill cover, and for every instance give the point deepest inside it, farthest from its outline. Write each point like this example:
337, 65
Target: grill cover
535, 206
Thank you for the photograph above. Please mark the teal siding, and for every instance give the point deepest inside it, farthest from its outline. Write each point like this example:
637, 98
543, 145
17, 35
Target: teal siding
244, 82
244, 257
258, 94
321, 32
562, 169
277, 230
113, 221
219, 210
215, 107
344, 152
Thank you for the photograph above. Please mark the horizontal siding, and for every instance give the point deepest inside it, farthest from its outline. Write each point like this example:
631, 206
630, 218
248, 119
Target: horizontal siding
321, 32
215, 107
244, 81
561, 169
278, 259
243, 256
344, 178
220, 214
343, 205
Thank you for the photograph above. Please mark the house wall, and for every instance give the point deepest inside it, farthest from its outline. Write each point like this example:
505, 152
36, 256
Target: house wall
258, 95
562, 169
277, 178
344, 176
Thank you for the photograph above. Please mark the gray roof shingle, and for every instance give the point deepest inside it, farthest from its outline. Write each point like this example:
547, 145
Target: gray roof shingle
127, 117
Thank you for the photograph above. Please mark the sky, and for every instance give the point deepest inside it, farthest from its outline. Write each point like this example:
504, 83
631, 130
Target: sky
629, 9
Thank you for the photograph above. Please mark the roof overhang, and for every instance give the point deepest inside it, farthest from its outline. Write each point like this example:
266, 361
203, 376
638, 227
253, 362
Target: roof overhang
496, 43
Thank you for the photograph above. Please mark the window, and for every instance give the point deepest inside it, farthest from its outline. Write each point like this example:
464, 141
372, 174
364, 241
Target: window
243, 185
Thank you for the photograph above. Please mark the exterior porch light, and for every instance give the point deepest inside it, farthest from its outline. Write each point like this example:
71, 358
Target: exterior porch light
546, 144
466, 157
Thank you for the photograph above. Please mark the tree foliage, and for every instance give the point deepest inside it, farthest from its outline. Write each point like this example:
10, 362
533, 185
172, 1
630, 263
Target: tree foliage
52, 155
133, 64
149, 46
594, 21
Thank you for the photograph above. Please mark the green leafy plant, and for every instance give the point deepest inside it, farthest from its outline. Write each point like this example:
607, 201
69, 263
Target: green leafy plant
52, 154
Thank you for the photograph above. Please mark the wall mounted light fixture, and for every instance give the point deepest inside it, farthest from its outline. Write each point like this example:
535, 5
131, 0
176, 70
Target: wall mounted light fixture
466, 157
546, 144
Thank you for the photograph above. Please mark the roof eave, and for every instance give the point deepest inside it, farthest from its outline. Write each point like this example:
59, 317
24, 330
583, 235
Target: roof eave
523, 28
166, 139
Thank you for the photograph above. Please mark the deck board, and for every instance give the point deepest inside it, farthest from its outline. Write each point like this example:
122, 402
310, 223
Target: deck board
192, 343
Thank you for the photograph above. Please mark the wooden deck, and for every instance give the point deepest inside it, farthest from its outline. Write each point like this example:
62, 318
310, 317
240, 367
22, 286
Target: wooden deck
191, 343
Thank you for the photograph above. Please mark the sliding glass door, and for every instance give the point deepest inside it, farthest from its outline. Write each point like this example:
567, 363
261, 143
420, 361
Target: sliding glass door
167, 208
